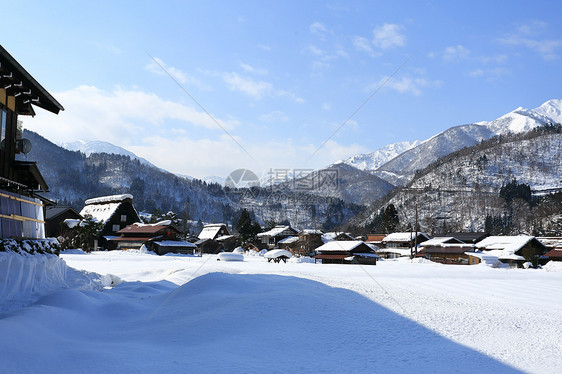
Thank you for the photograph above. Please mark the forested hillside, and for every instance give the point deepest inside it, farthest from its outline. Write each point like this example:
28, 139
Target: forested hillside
507, 185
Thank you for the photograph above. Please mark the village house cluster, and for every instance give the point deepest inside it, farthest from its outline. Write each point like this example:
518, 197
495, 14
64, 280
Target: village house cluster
122, 228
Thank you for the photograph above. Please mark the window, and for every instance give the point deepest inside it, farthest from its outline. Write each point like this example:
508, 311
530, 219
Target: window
116, 228
123, 218
3, 115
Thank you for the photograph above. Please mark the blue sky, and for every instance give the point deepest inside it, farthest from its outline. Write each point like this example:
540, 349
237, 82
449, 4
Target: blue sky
280, 77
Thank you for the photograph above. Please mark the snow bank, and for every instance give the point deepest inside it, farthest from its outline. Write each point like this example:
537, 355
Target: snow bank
25, 277
229, 256
296, 326
553, 266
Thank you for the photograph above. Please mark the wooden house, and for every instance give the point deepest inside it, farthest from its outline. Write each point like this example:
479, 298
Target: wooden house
309, 240
375, 239
55, 217
554, 254
336, 236
346, 252
114, 212
452, 254
275, 235
400, 244
214, 238
512, 250
21, 210
161, 238
466, 237
214, 231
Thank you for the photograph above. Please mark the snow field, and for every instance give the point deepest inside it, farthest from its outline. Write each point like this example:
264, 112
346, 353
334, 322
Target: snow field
190, 314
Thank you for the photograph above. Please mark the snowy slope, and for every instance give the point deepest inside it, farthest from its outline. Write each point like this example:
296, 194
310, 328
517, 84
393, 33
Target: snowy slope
521, 119
181, 314
372, 161
402, 168
97, 146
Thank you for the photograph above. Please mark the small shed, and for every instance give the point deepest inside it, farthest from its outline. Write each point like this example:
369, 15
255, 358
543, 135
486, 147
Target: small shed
54, 218
278, 255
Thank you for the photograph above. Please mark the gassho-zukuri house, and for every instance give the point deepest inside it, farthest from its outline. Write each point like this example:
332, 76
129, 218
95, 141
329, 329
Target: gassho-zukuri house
115, 212
347, 252
21, 208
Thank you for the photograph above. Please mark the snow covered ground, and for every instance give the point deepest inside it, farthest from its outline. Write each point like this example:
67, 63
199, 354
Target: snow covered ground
182, 314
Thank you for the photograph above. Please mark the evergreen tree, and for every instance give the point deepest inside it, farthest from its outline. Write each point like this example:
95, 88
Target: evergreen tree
245, 227
390, 220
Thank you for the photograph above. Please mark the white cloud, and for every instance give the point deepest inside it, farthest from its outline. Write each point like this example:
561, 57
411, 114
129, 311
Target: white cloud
220, 156
264, 47
319, 29
256, 89
120, 116
388, 35
275, 116
314, 50
528, 35
547, 48
364, 45
404, 84
498, 59
250, 69
455, 53
326, 107
109, 48
490, 74
157, 66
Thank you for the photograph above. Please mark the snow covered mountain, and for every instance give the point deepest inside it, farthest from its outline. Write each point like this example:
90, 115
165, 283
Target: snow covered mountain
401, 169
461, 191
97, 146
372, 161
522, 120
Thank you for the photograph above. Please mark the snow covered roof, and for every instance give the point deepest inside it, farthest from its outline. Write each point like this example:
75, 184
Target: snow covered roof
100, 212
289, 240
363, 255
399, 251
108, 199
211, 231
174, 243
311, 232
402, 236
506, 243
439, 241
224, 237
340, 246
71, 223
277, 230
275, 253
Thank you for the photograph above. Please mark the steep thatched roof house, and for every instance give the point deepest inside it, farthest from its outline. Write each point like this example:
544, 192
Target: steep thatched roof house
114, 212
